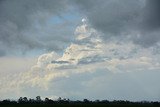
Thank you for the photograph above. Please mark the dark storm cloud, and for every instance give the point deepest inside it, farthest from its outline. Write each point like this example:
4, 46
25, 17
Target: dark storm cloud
23, 23
18, 11
150, 24
116, 18
110, 16
19, 18
151, 15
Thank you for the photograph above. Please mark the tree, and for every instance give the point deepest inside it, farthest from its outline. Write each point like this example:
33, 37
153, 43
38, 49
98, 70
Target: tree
25, 99
46, 100
86, 101
59, 99
20, 100
38, 98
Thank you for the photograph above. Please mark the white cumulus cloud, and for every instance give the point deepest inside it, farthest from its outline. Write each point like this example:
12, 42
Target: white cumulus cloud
89, 53
90, 65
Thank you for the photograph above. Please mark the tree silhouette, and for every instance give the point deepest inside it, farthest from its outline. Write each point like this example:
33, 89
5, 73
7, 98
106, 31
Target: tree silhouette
46, 99
20, 99
86, 101
64, 101
38, 99
25, 99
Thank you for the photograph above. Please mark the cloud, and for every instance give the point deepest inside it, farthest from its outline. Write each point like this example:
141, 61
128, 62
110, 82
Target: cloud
113, 66
111, 16
10, 78
105, 58
28, 26
149, 26
151, 16
34, 25
136, 20
60, 62
80, 58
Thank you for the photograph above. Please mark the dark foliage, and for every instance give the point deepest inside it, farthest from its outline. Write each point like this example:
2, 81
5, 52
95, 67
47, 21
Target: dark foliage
24, 101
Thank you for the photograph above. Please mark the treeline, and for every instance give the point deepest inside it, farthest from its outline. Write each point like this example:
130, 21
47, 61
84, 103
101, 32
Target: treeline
38, 100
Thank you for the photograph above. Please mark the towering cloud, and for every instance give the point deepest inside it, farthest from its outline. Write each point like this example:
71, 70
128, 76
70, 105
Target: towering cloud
89, 60
89, 53
112, 54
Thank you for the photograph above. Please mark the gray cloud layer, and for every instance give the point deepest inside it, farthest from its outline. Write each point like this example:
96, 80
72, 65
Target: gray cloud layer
117, 18
24, 24
151, 15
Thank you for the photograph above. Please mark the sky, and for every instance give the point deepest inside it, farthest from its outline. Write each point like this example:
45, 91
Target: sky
76, 49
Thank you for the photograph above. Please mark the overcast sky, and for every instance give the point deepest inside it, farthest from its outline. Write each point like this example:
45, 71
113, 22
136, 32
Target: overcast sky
95, 49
